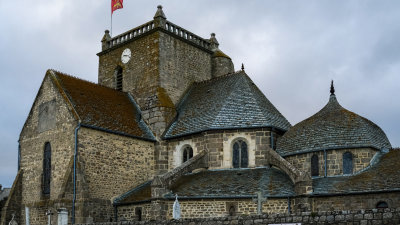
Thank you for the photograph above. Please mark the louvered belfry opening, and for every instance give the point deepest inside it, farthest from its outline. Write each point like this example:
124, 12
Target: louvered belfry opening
118, 79
46, 169
240, 155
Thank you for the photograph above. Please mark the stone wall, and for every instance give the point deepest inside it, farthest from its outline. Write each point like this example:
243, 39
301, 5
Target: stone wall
162, 67
127, 213
113, 164
345, 202
13, 203
361, 159
220, 208
181, 64
356, 217
219, 145
32, 141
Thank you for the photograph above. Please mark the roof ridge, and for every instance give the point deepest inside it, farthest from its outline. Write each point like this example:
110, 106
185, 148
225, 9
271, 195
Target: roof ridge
224, 103
80, 79
220, 77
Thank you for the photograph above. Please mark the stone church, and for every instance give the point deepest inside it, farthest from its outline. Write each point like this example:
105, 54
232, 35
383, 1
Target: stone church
170, 116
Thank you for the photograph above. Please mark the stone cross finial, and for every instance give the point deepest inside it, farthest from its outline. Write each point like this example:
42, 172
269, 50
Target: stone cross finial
260, 200
242, 67
332, 88
12, 221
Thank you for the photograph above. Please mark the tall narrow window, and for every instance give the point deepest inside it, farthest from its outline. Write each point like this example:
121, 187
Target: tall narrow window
118, 79
187, 153
46, 169
314, 166
347, 163
240, 157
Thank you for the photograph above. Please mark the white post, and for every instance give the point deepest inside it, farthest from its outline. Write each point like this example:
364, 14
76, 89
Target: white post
27, 219
62, 216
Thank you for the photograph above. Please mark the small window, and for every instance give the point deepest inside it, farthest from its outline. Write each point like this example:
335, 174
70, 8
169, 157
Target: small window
382, 205
46, 169
240, 157
118, 79
138, 213
314, 166
232, 210
347, 163
187, 153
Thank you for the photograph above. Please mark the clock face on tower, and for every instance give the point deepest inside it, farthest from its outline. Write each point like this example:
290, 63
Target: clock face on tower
126, 55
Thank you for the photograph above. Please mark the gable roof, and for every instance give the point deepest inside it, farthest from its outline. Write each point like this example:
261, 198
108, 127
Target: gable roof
102, 107
226, 102
333, 127
380, 177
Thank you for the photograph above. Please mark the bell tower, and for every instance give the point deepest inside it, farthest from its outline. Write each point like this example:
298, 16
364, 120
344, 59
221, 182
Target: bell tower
156, 63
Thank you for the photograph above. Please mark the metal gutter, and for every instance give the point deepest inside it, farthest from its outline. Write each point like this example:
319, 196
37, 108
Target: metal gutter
221, 128
331, 148
117, 132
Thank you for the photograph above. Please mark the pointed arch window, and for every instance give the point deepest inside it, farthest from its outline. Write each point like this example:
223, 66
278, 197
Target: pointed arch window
314, 166
187, 153
46, 169
240, 157
347, 163
118, 79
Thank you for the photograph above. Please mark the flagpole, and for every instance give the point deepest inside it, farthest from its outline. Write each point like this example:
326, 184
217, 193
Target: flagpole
111, 24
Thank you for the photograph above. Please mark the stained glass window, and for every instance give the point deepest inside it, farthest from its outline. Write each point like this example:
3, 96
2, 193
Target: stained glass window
314, 166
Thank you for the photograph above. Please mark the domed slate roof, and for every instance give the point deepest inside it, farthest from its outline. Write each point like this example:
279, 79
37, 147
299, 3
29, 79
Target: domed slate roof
333, 127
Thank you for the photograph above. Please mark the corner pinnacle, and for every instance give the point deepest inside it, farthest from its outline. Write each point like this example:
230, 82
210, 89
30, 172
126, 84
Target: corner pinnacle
160, 12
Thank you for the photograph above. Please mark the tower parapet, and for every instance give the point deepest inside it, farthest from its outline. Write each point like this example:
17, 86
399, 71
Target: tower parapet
159, 22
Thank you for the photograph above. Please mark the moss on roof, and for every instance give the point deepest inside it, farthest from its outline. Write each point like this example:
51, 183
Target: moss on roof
333, 127
103, 107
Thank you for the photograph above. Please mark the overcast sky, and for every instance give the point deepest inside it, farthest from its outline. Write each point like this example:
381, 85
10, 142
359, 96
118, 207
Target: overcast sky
291, 50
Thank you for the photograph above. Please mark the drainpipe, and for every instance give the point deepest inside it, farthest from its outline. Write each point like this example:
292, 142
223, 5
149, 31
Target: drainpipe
326, 170
115, 213
74, 178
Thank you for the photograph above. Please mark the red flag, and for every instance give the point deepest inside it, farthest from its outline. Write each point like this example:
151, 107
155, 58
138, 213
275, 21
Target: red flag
116, 4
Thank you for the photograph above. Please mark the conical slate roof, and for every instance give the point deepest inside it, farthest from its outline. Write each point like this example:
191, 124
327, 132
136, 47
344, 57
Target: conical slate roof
333, 127
228, 102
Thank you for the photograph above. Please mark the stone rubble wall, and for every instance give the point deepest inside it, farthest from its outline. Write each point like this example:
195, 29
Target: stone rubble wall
219, 147
356, 217
361, 159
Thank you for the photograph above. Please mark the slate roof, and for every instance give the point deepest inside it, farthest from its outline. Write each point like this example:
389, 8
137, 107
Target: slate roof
140, 193
233, 183
383, 176
103, 107
226, 102
333, 127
